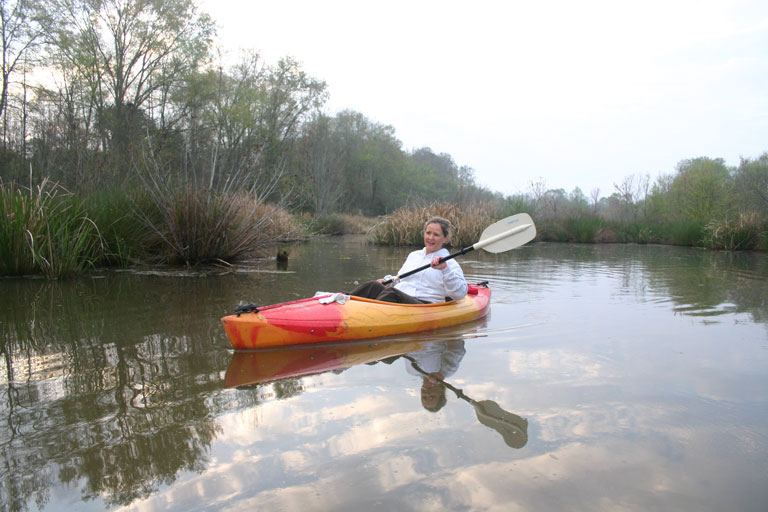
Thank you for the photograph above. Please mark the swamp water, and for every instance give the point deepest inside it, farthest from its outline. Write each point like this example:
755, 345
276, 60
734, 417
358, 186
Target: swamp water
605, 377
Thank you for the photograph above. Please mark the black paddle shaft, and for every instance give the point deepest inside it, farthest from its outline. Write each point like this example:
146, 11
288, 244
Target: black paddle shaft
425, 267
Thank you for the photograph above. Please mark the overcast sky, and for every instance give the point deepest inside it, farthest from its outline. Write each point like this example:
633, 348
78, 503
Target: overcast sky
577, 93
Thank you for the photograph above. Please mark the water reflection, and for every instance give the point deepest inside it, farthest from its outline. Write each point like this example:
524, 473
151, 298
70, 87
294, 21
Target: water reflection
432, 361
112, 388
698, 283
441, 360
91, 404
433, 364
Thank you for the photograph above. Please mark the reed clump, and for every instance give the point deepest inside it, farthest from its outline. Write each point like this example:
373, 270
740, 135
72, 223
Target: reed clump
742, 233
194, 225
45, 230
406, 225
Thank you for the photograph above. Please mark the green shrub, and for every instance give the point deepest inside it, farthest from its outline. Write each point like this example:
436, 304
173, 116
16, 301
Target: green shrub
634, 232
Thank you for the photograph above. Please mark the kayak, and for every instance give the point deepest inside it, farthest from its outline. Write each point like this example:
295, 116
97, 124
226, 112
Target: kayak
338, 317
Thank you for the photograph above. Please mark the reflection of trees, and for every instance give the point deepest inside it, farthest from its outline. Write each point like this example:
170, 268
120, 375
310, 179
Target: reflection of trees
700, 283
707, 283
110, 387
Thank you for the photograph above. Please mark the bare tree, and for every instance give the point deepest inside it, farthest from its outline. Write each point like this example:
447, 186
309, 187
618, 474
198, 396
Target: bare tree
127, 50
595, 197
23, 23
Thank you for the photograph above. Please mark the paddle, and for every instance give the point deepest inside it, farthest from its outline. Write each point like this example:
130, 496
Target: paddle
500, 236
512, 427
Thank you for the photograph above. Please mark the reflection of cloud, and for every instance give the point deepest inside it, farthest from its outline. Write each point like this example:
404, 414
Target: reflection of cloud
609, 456
381, 432
397, 472
295, 460
532, 364
563, 425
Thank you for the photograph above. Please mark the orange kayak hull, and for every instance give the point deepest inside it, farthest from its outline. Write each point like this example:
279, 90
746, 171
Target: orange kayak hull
310, 321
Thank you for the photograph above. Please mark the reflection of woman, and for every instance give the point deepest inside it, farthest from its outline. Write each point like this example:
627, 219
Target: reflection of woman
438, 361
440, 282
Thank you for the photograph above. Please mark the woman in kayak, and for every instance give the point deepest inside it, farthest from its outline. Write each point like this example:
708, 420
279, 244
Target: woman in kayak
443, 281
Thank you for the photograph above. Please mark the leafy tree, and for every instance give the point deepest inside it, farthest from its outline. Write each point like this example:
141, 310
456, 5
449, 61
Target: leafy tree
372, 158
579, 203
700, 191
322, 161
751, 186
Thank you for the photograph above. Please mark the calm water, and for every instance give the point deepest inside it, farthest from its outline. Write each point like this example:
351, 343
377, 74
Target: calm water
604, 378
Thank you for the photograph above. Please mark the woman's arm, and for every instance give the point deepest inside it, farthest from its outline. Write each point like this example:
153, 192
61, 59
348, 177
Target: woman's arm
453, 280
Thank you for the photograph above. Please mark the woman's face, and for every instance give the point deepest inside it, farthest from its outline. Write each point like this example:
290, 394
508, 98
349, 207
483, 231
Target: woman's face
433, 237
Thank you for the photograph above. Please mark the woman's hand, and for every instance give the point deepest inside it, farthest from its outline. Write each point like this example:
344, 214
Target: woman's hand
436, 263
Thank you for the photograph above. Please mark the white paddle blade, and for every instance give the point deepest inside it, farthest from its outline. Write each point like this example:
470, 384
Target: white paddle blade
507, 234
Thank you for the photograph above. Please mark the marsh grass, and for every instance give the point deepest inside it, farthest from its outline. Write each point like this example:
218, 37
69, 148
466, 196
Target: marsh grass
334, 224
45, 229
685, 233
406, 225
197, 225
123, 234
583, 229
743, 233
633, 232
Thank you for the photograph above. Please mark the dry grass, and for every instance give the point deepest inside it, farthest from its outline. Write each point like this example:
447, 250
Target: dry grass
744, 233
357, 224
198, 225
406, 225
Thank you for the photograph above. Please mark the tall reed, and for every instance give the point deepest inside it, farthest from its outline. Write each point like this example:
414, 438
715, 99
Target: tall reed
743, 233
123, 234
45, 229
406, 225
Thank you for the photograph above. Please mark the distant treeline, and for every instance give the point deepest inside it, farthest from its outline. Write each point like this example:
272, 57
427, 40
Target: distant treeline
703, 203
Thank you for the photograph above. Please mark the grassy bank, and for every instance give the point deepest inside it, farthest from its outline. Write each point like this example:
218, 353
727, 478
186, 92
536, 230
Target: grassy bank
47, 230
404, 227
742, 233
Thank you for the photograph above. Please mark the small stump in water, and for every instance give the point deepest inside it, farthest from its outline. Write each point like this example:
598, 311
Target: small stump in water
282, 259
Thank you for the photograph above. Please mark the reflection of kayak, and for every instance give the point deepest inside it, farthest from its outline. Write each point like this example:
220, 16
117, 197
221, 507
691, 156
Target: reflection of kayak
270, 365
312, 321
